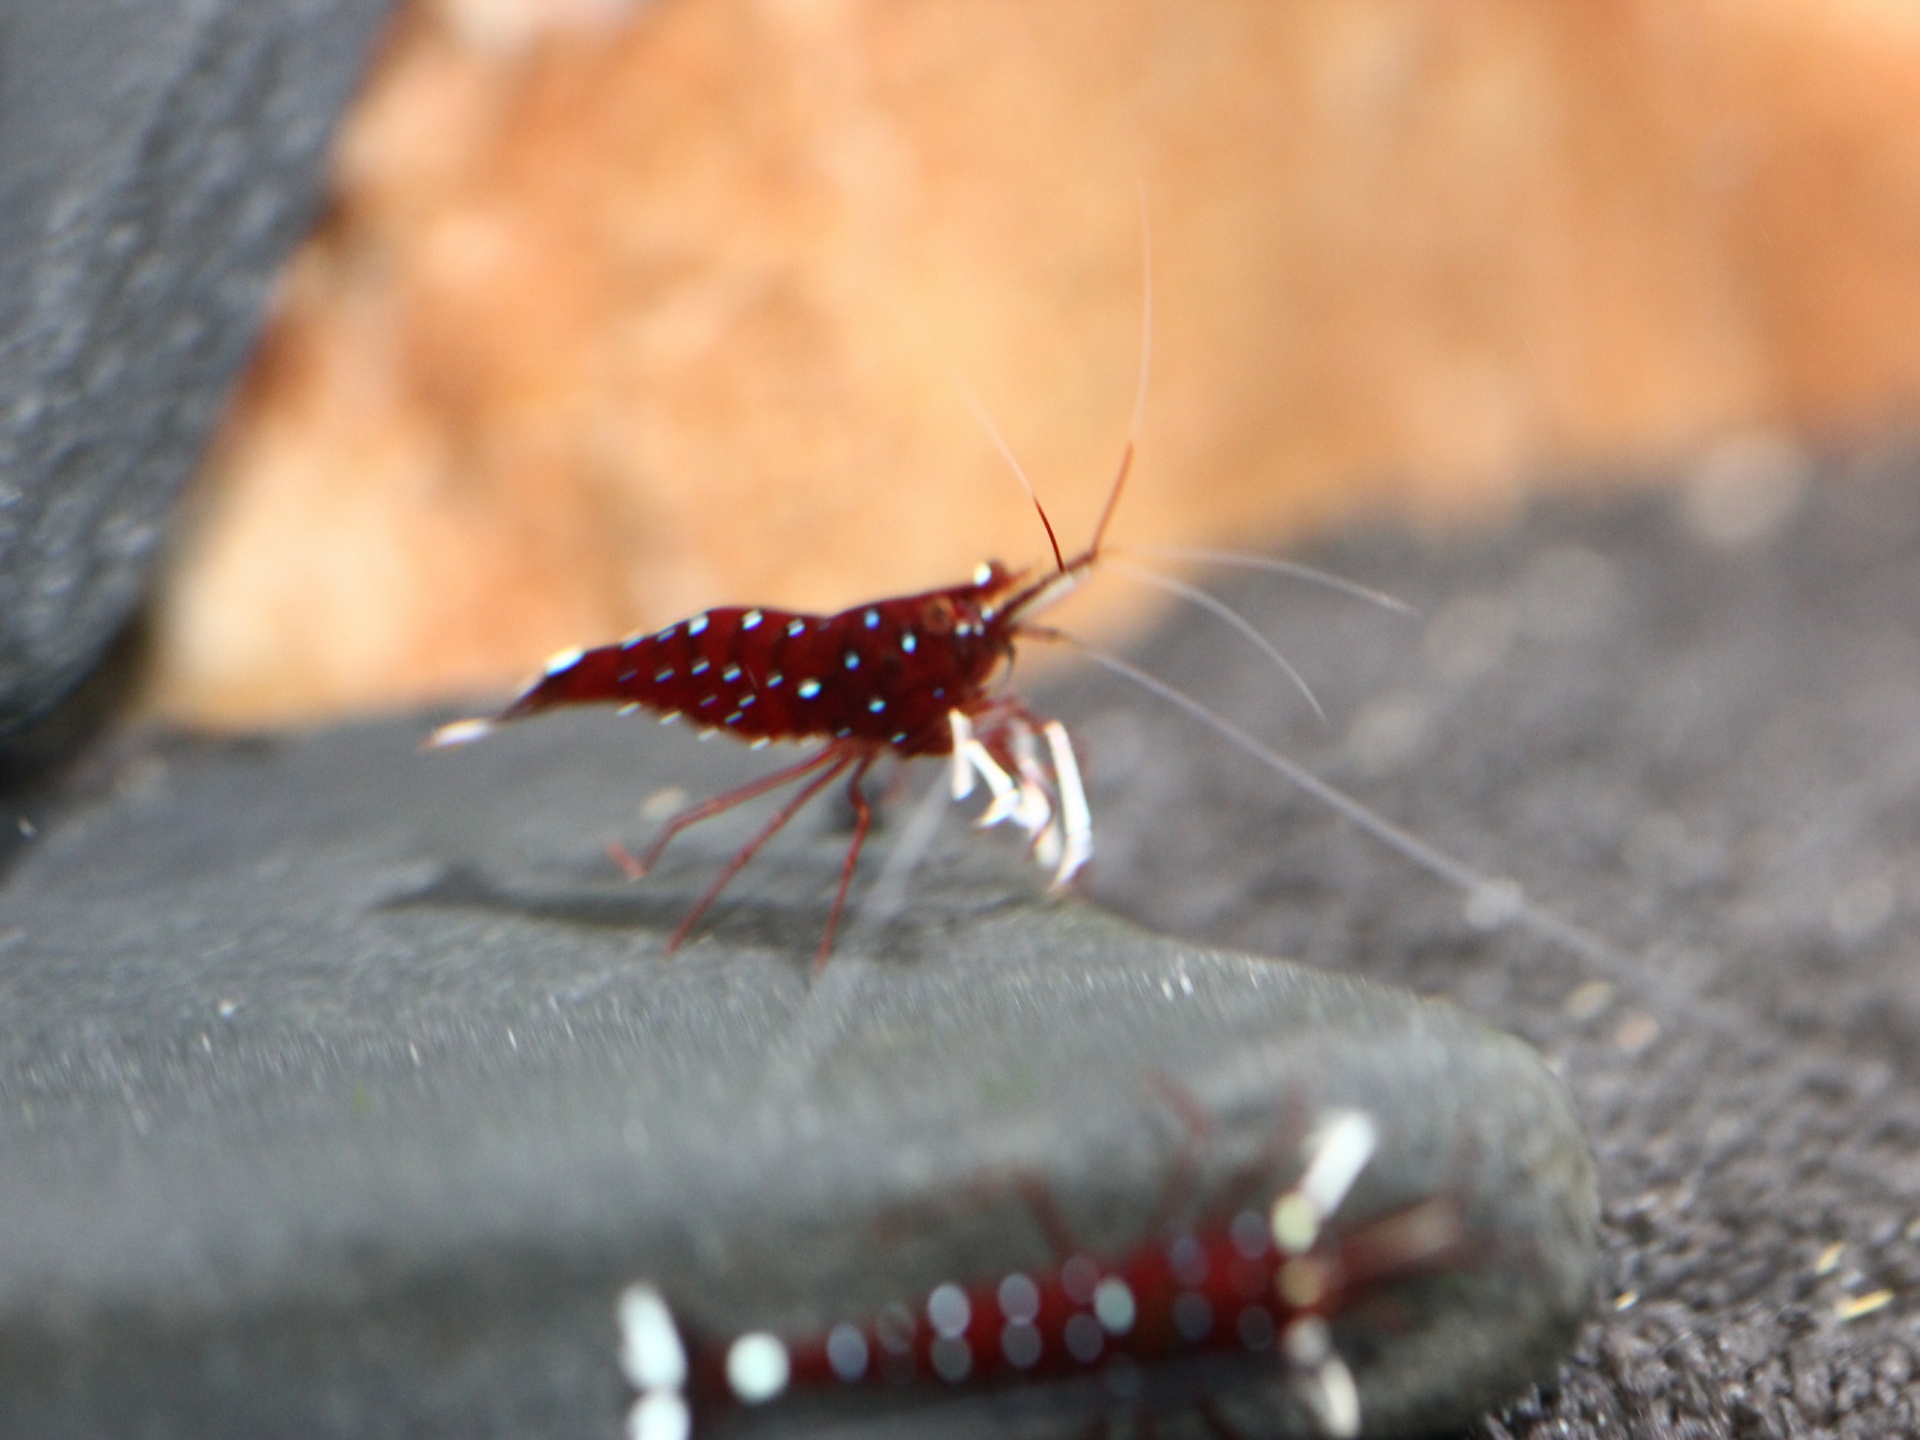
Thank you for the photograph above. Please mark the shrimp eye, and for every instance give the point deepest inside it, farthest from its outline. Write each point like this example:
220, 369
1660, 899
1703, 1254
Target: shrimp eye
937, 619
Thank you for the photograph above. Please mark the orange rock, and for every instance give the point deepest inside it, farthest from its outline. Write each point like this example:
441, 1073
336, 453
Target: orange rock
622, 311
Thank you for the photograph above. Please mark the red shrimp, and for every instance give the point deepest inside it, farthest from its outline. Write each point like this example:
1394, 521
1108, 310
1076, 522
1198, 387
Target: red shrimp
1215, 1310
910, 676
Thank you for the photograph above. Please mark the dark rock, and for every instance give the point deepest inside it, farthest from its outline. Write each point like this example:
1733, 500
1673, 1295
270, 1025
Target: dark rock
158, 162
343, 1086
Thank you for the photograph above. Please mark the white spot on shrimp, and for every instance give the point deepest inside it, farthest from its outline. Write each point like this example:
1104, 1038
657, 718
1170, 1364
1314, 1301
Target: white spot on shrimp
776, 680
758, 1367
876, 705
947, 1309
1019, 1298
853, 660
733, 719
697, 625
751, 620
629, 708
809, 689
662, 675
564, 660
899, 737
669, 717
759, 742
872, 617
745, 701
700, 667
908, 643
730, 674
982, 573
666, 634
1083, 1337
847, 1351
796, 627
1113, 1305
706, 700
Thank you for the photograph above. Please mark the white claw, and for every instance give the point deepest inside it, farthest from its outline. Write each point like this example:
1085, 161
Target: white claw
963, 743
1075, 818
1338, 1152
1335, 1399
971, 757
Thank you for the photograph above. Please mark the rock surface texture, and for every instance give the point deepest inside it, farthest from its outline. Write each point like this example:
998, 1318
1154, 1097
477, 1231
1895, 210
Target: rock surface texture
341, 1086
346, 1086
158, 162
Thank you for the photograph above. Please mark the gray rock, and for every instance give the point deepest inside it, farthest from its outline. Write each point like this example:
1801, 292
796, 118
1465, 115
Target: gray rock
157, 162
342, 1087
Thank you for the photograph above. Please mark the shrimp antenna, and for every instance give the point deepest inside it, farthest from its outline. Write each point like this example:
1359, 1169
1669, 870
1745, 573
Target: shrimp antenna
1492, 902
1013, 462
1140, 383
1214, 605
1238, 560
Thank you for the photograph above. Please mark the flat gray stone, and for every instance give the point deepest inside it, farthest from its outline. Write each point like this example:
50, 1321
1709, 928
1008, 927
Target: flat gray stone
343, 1086
158, 162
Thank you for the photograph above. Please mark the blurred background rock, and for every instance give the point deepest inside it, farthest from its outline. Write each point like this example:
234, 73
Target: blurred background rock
622, 310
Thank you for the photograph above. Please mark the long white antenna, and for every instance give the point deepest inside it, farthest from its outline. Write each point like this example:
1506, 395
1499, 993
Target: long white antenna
1238, 560
1491, 901
1214, 605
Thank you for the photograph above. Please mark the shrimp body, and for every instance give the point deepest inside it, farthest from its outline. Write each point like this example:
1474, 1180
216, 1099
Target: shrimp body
883, 675
1215, 1309
909, 676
